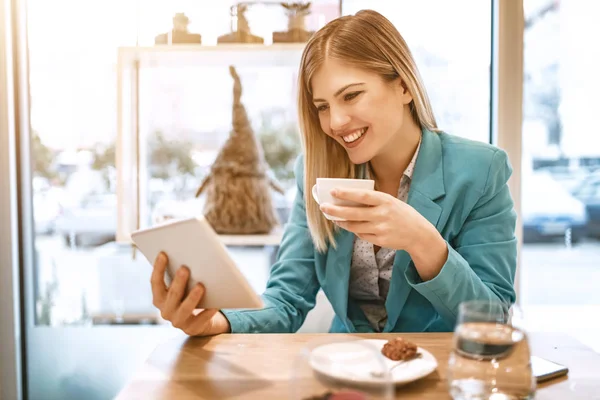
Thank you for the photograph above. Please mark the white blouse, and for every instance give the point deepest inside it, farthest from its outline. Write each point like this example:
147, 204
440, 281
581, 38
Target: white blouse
370, 272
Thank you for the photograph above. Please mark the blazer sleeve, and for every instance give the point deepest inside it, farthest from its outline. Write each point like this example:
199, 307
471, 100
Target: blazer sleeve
293, 285
482, 258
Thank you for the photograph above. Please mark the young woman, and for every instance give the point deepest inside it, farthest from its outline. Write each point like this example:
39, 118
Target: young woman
438, 230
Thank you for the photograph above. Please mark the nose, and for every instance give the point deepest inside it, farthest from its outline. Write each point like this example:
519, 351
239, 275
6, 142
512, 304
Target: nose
338, 118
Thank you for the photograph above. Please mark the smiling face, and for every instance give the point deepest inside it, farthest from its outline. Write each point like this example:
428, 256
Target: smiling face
359, 109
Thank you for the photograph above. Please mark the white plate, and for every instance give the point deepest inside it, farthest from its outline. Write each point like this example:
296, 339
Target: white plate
353, 361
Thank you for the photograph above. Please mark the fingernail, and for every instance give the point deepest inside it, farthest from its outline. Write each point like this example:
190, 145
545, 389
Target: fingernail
181, 271
163, 256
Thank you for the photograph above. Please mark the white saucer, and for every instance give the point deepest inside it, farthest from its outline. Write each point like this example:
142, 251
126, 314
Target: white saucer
353, 361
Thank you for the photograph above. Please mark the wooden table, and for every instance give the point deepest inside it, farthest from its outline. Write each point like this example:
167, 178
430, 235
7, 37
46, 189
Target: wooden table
259, 366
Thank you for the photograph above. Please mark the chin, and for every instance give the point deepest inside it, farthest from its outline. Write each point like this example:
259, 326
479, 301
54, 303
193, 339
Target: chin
362, 153
359, 157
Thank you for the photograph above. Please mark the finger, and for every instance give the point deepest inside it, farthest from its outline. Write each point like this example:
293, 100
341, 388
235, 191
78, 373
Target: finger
175, 293
186, 309
349, 213
157, 280
200, 324
367, 197
371, 239
358, 227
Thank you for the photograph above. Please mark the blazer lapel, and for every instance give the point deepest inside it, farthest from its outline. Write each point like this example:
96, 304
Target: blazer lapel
427, 185
337, 275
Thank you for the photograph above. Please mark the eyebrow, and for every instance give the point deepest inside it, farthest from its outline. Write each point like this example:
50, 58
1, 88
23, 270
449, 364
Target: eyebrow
340, 91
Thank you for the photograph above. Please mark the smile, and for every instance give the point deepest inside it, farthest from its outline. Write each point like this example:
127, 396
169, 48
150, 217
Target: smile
354, 136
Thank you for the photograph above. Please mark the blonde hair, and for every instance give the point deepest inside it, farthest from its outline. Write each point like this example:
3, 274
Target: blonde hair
368, 41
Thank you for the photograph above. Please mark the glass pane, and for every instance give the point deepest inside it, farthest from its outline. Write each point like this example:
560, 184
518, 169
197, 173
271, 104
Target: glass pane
188, 119
561, 168
452, 49
183, 105
90, 302
72, 85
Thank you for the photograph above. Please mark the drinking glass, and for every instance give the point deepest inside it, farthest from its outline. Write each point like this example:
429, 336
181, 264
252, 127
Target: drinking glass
490, 358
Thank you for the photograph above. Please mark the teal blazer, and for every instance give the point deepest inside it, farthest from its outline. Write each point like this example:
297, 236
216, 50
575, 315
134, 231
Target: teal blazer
460, 186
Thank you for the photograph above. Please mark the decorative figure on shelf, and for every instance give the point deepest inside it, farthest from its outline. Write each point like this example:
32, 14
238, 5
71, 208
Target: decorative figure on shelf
179, 33
242, 34
296, 13
238, 198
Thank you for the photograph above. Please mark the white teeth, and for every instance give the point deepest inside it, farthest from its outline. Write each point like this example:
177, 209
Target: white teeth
354, 136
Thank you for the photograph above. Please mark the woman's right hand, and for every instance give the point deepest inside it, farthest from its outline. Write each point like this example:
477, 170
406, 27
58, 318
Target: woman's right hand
182, 313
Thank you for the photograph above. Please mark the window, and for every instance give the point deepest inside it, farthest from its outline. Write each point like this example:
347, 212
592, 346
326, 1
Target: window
83, 277
452, 49
94, 288
561, 167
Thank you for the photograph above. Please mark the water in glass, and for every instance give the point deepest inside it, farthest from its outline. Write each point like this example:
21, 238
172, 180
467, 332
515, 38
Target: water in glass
490, 358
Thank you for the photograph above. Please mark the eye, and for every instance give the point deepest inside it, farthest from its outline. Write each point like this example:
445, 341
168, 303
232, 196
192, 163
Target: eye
351, 96
322, 108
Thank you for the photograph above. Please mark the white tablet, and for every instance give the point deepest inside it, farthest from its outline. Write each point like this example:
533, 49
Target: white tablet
193, 243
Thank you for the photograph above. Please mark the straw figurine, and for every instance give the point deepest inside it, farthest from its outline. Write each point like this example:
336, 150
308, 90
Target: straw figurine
296, 32
179, 33
242, 34
238, 198
296, 13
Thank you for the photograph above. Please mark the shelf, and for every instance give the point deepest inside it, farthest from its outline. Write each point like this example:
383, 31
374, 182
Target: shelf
247, 55
131, 154
272, 239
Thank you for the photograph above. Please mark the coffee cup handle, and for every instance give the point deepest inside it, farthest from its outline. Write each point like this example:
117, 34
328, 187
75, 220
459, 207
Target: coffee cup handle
314, 194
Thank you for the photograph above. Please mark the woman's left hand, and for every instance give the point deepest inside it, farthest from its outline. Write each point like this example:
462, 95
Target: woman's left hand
391, 223
385, 222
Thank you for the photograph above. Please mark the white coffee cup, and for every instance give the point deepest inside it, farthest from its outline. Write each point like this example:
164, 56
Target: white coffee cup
321, 192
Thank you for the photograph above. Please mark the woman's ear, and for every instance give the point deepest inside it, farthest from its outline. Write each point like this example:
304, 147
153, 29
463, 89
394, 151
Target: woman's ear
405, 93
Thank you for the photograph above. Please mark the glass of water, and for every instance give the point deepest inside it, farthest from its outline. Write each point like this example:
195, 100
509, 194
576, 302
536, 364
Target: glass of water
490, 358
